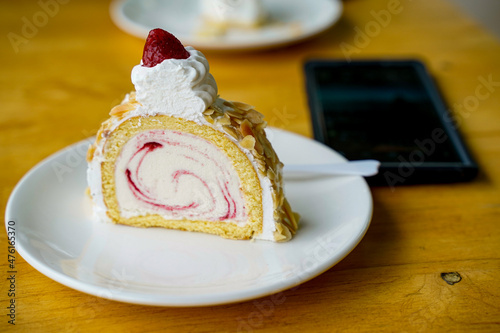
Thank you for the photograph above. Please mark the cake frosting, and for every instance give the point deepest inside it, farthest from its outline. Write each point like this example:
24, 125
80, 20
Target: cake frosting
185, 89
246, 13
180, 87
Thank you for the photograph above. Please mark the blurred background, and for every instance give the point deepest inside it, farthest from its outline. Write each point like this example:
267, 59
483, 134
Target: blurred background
487, 12
62, 74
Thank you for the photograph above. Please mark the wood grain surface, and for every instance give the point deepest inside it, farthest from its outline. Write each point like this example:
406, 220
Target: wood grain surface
59, 81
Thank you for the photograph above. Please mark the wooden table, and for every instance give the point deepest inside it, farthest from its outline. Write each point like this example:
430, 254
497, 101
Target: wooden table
59, 82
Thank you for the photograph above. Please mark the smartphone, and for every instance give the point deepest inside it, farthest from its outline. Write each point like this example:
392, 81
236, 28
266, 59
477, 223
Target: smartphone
390, 111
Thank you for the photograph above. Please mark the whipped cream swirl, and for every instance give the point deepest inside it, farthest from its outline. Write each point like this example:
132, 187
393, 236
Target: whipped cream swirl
178, 87
177, 175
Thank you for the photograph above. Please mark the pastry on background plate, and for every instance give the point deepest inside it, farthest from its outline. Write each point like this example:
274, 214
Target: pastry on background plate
233, 13
175, 155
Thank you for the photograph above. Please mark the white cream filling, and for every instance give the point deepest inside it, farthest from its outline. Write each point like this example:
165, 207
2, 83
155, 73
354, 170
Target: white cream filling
178, 176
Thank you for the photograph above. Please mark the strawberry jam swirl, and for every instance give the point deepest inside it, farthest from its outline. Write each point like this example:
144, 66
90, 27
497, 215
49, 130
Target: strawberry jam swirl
177, 175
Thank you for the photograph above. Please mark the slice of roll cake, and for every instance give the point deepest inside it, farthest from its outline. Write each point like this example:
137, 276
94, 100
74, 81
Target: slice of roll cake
174, 155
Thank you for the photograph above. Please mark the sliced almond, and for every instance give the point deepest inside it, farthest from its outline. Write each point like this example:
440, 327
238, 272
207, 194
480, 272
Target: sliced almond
216, 108
223, 121
261, 126
248, 142
235, 114
121, 109
270, 174
208, 112
260, 162
229, 130
255, 116
209, 119
296, 218
262, 169
106, 133
99, 132
268, 150
228, 103
286, 222
243, 106
290, 215
90, 153
246, 128
280, 235
275, 200
258, 148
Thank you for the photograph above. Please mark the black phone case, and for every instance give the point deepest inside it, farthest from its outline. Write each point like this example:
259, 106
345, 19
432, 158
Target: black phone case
401, 173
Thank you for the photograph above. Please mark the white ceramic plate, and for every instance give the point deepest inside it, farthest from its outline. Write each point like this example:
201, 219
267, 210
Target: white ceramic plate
56, 234
291, 21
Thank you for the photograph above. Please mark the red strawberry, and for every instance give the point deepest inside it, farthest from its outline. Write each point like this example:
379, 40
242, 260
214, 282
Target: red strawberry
161, 45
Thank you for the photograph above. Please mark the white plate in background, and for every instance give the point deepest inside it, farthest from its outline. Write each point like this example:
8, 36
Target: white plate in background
291, 21
56, 234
